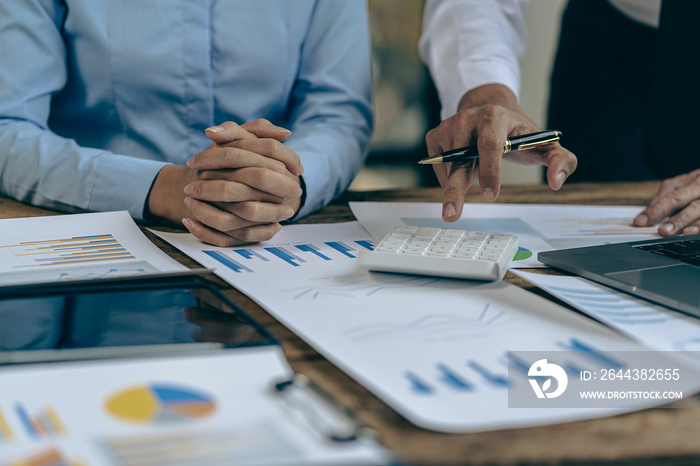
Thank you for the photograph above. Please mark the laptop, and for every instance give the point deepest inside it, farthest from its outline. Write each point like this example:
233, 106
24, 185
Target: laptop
664, 270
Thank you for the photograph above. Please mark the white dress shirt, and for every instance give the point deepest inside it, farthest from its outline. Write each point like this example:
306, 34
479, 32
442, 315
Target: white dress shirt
470, 43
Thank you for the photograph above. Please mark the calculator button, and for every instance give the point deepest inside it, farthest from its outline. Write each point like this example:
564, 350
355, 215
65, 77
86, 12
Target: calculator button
447, 253
427, 232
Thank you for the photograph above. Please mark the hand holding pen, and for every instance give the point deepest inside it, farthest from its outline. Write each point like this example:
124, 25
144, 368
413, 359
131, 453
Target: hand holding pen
522, 142
487, 118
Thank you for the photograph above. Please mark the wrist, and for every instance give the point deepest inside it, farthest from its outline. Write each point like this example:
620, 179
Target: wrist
166, 199
490, 94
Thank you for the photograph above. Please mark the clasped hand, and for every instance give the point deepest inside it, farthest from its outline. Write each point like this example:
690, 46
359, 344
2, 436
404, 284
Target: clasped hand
237, 190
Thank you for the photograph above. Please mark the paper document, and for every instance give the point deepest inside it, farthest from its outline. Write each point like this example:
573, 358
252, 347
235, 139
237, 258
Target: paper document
77, 247
434, 349
652, 325
216, 409
538, 227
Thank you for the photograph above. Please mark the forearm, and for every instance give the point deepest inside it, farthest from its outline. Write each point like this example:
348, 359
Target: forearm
468, 44
41, 168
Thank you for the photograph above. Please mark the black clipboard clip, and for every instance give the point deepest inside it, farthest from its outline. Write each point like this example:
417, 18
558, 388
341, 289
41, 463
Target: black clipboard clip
323, 415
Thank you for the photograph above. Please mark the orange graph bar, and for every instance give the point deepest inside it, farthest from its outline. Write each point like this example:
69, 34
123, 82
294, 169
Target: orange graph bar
5, 431
55, 422
56, 241
89, 260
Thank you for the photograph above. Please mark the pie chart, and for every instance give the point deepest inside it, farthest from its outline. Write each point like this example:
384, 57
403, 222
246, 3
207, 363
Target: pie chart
522, 254
159, 404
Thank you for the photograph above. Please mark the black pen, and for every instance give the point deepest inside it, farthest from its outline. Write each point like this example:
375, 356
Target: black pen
522, 142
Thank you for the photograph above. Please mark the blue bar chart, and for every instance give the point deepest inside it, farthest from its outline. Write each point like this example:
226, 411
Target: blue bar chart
248, 260
458, 377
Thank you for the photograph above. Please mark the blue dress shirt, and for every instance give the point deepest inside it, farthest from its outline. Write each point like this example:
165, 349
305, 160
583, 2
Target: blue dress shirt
97, 96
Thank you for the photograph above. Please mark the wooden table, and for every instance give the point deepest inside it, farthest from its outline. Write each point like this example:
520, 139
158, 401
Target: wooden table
660, 436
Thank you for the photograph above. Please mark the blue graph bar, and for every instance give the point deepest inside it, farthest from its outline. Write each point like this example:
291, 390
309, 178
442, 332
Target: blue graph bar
366, 245
312, 249
591, 353
573, 369
227, 261
418, 385
249, 254
453, 379
517, 364
499, 381
24, 418
285, 255
341, 248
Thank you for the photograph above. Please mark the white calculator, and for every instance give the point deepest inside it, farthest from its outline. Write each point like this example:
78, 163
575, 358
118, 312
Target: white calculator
446, 253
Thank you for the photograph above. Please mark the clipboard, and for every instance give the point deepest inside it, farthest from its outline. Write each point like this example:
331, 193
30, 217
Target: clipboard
217, 381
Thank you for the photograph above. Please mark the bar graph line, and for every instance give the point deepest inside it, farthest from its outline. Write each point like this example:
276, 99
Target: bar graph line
250, 254
227, 261
5, 431
26, 421
285, 255
313, 250
419, 385
453, 379
341, 248
366, 244
57, 241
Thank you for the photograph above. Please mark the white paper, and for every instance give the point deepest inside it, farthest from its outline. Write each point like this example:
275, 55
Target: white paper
652, 325
434, 349
214, 409
538, 227
77, 247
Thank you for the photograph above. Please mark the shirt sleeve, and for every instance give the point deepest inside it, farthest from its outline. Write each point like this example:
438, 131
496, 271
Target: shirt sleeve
470, 43
331, 110
36, 165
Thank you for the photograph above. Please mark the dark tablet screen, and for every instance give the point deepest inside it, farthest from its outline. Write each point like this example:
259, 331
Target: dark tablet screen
146, 319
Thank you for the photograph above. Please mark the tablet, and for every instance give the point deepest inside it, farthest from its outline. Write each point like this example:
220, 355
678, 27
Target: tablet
129, 319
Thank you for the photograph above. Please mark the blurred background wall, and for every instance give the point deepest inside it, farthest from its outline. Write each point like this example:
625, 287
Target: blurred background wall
406, 104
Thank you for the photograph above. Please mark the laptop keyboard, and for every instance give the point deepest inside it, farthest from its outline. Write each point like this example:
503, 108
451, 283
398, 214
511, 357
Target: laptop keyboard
687, 250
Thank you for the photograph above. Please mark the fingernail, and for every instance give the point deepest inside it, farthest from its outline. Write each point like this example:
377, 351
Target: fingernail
561, 177
283, 130
691, 230
188, 190
288, 214
641, 220
187, 222
450, 210
189, 162
488, 195
188, 202
214, 129
299, 193
667, 227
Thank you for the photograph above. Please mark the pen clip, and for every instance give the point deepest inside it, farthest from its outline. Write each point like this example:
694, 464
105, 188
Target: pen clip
532, 145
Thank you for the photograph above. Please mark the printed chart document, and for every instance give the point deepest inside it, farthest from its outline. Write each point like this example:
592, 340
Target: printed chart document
655, 326
538, 227
435, 349
216, 409
77, 247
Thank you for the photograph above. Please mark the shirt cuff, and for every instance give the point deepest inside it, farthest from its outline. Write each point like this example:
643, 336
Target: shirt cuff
123, 183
